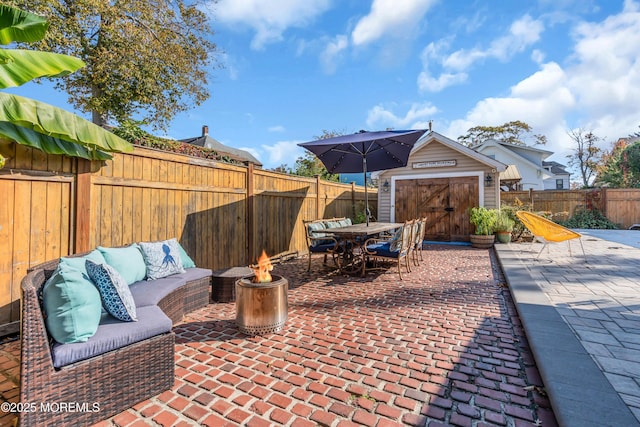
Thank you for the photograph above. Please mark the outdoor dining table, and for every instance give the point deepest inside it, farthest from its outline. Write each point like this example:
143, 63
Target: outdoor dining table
353, 237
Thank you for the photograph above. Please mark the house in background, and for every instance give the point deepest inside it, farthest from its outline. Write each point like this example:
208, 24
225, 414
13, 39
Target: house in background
441, 181
529, 169
560, 179
206, 141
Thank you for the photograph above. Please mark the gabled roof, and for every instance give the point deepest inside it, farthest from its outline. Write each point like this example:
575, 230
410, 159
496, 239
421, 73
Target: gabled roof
513, 147
556, 168
509, 148
235, 153
455, 145
511, 174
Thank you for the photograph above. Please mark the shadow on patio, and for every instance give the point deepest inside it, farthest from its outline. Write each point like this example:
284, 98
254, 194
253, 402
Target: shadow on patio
442, 347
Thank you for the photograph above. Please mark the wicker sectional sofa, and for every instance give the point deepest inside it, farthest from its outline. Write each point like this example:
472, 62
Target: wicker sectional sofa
122, 364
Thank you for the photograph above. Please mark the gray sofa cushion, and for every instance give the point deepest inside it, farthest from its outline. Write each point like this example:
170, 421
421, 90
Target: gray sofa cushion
194, 273
150, 292
113, 334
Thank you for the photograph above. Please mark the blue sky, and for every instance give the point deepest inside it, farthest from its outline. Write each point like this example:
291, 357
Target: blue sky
294, 68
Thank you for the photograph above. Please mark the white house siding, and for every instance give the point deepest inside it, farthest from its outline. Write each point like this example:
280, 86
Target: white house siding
435, 151
531, 176
550, 184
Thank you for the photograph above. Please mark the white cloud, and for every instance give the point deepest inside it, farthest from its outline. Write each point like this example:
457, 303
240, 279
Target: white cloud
276, 128
542, 100
599, 89
389, 17
522, 33
281, 152
269, 19
380, 117
606, 69
537, 56
332, 53
427, 83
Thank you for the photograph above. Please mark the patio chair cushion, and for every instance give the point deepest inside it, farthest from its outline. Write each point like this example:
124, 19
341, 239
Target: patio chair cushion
109, 336
128, 261
72, 305
344, 222
383, 249
332, 224
161, 258
394, 243
324, 247
115, 293
314, 230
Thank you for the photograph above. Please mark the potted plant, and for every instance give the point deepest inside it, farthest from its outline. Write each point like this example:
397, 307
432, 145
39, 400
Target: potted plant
484, 220
503, 226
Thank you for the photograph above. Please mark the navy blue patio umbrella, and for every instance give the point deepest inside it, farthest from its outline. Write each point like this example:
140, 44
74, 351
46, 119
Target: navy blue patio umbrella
365, 152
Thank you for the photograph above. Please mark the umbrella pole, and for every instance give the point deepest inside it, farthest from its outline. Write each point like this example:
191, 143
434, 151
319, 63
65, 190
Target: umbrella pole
366, 194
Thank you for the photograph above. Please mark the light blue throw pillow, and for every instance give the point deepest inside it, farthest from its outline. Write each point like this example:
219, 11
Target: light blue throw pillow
187, 262
128, 261
72, 305
114, 290
162, 258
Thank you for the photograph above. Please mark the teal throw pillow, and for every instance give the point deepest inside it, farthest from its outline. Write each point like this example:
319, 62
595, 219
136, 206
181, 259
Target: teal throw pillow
187, 262
72, 305
128, 261
116, 295
162, 258
79, 262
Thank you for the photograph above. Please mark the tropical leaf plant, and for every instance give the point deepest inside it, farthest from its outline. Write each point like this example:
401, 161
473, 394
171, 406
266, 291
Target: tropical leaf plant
37, 124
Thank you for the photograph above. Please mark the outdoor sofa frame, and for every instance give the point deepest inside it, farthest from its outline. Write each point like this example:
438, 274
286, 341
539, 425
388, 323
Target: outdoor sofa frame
115, 380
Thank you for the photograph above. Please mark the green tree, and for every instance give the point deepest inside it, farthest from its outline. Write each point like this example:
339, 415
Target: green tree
283, 168
147, 59
34, 123
514, 132
630, 163
585, 156
620, 167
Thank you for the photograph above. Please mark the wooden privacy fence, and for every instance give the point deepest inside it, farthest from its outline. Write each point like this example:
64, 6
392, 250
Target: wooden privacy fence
620, 205
224, 215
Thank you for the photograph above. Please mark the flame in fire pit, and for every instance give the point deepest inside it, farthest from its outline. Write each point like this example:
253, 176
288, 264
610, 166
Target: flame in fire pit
262, 269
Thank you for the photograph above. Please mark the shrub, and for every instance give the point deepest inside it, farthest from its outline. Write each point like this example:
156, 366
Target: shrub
484, 219
504, 222
588, 218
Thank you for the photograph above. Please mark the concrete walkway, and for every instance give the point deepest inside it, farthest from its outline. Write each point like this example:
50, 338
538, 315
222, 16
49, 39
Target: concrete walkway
582, 320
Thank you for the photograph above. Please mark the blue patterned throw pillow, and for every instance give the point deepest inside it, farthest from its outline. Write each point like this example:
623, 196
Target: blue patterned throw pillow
114, 291
162, 258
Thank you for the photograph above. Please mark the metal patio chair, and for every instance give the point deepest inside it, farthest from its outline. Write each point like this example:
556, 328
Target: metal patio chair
548, 231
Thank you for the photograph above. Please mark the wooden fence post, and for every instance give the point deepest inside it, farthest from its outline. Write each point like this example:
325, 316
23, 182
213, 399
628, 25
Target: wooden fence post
353, 199
82, 238
531, 199
250, 214
318, 197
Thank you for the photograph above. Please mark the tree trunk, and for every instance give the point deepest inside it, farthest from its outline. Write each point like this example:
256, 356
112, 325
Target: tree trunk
98, 118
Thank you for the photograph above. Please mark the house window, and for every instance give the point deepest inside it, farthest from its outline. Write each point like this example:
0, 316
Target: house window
559, 184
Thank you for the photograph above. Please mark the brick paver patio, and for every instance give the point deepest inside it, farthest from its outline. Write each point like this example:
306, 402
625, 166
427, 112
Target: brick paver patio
443, 347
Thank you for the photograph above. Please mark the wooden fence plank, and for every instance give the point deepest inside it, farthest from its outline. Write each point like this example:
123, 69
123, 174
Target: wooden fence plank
7, 234
59, 206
